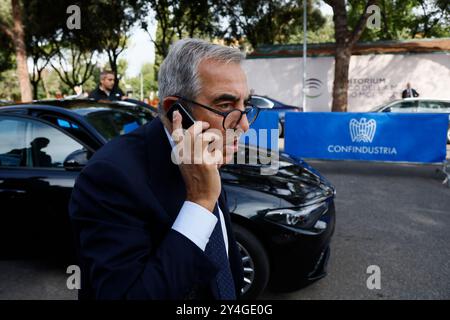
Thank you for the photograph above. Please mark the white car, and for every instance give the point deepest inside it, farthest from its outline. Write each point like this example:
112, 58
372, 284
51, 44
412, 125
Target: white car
417, 105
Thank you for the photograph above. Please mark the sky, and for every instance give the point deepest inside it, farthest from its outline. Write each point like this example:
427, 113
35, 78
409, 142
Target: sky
141, 50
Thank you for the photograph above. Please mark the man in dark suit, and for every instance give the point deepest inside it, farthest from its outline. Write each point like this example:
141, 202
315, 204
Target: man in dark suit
409, 92
107, 89
147, 228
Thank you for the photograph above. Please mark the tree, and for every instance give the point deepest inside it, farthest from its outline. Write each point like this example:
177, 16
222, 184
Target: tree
110, 22
179, 18
433, 20
12, 26
405, 19
43, 27
345, 41
148, 77
6, 53
74, 65
9, 86
267, 21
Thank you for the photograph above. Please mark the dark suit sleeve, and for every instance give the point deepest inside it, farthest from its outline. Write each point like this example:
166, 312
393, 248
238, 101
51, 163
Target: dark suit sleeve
117, 255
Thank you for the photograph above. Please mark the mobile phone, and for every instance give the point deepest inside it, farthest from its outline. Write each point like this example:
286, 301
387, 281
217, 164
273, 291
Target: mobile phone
188, 119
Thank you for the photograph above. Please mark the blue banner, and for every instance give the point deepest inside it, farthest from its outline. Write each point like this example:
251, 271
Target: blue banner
265, 131
399, 137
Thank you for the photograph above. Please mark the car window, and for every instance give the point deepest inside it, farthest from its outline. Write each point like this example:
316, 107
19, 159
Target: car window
446, 106
28, 143
12, 142
262, 102
404, 106
429, 106
112, 123
70, 127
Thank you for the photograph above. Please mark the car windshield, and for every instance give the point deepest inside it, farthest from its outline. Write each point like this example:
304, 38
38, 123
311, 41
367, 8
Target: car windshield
111, 123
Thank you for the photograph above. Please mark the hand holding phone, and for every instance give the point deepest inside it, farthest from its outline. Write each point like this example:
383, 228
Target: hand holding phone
188, 119
202, 180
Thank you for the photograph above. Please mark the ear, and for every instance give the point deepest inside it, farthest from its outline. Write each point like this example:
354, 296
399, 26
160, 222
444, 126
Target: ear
167, 103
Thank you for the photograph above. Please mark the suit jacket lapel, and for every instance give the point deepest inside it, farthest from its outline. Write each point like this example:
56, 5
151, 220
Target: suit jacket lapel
164, 176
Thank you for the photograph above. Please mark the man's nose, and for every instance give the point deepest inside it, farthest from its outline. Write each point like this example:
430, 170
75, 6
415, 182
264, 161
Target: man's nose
243, 124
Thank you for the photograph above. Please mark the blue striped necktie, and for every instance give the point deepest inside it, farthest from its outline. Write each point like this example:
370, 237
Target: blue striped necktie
216, 251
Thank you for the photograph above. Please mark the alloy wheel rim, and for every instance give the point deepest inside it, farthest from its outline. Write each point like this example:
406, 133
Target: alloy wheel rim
249, 268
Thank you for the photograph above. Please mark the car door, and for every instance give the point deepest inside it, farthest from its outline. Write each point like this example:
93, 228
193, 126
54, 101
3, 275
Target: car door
429, 106
36, 178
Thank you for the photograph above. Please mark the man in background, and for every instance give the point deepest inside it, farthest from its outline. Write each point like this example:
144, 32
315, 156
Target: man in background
409, 92
106, 90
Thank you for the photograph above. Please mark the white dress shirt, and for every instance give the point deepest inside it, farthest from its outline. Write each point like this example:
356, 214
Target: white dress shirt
196, 222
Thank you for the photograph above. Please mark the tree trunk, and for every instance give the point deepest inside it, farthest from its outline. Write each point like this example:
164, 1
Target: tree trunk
35, 85
21, 51
340, 85
345, 40
47, 94
112, 57
342, 57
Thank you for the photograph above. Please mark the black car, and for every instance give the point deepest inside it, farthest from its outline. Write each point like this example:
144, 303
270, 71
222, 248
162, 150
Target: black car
283, 222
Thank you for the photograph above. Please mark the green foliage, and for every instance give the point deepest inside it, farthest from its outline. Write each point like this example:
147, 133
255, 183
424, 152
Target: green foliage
149, 82
6, 53
9, 85
321, 35
405, 19
106, 26
268, 21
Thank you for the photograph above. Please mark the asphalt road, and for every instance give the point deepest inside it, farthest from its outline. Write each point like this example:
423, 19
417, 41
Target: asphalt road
396, 217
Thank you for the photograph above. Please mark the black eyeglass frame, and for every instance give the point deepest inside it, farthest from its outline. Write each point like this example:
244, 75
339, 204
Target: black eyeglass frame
225, 114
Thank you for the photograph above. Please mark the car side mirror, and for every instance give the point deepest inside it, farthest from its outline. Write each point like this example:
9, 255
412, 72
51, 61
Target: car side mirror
76, 160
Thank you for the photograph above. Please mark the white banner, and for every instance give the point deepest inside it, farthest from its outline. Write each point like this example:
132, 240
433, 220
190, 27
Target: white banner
373, 79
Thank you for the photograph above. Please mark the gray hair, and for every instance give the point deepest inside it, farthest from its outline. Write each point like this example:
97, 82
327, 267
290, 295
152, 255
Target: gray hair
178, 74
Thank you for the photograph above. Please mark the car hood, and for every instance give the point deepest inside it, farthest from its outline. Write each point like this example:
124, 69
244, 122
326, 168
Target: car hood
295, 183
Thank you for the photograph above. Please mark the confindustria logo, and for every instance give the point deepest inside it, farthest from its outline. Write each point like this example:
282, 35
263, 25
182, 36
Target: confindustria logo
313, 88
362, 130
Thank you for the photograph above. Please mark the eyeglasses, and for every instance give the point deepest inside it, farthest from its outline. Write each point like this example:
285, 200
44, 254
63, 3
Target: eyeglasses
231, 118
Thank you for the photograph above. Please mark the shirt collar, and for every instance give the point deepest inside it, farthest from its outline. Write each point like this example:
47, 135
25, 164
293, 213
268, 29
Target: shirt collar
172, 143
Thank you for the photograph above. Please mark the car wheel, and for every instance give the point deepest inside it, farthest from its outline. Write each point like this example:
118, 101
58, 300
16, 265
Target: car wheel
255, 262
448, 136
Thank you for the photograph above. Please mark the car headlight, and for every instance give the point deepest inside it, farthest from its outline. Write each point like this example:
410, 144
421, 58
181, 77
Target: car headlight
304, 217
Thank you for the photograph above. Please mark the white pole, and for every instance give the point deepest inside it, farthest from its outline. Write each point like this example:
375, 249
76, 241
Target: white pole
142, 87
304, 53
